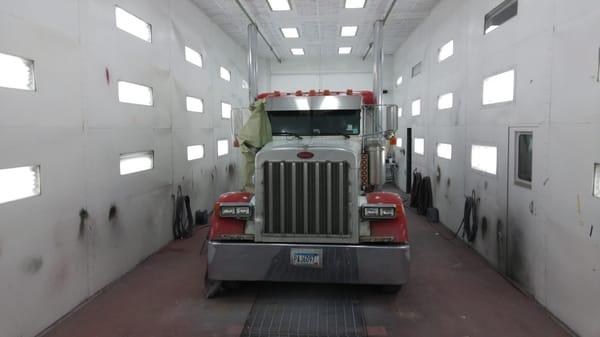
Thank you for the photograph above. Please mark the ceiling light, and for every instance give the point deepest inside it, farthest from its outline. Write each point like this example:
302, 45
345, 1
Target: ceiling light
348, 31
297, 51
279, 5
344, 50
290, 33
355, 3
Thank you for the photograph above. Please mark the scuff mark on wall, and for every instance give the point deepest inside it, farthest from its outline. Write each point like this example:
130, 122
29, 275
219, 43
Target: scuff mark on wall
579, 217
33, 264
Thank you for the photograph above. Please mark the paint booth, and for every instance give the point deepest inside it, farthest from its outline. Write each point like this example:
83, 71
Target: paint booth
424, 168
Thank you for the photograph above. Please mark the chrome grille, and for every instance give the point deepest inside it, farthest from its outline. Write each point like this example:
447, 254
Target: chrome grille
306, 198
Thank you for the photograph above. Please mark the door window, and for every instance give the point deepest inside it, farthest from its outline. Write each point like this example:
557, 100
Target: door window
524, 167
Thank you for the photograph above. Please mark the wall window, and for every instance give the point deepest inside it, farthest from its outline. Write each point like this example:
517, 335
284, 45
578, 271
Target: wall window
399, 112
416, 69
135, 93
416, 107
19, 183
195, 152
420, 146
136, 162
225, 110
499, 88
597, 180
194, 104
446, 101
193, 57
499, 15
222, 147
225, 74
484, 158
399, 142
524, 165
399, 81
446, 51
444, 151
16, 72
133, 25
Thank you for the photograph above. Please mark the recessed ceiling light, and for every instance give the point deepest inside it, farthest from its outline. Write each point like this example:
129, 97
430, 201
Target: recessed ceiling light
344, 50
297, 51
348, 31
355, 3
290, 33
279, 5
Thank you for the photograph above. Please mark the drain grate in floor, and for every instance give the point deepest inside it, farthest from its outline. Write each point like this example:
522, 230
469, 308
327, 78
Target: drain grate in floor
293, 310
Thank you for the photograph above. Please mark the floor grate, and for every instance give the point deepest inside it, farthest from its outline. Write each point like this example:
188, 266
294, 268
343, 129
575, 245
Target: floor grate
290, 310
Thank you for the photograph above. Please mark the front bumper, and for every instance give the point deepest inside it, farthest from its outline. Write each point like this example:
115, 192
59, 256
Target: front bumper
356, 264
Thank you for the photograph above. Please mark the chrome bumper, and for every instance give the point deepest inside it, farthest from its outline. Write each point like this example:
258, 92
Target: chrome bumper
357, 264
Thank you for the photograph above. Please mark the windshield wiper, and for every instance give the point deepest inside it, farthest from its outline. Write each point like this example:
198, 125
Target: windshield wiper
293, 134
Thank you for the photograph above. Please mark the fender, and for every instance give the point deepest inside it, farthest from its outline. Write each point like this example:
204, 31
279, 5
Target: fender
227, 226
395, 227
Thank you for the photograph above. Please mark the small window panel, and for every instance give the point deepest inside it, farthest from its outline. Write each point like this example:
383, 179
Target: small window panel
16, 72
416, 69
279, 5
399, 142
290, 32
420, 146
446, 51
225, 110
597, 180
136, 162
484, 158
297, 51
195, 152
194, 104
499, 15
399, 112
133, 25
193, 57
19, 183
225, 74
416, 107
499, 88
446, 101
133, 93
348, 31
444, 151
524, 162
344, 50
222, 147
399, 81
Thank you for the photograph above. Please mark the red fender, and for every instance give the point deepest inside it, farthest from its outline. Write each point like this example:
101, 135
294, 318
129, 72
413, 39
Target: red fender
390, 227
227, 226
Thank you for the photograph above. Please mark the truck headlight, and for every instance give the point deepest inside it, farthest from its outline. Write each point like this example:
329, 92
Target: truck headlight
239, 211
378, 212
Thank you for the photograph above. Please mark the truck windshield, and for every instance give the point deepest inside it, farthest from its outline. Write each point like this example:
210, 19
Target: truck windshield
315, 123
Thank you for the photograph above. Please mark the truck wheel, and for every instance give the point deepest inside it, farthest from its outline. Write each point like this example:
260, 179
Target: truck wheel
390, 289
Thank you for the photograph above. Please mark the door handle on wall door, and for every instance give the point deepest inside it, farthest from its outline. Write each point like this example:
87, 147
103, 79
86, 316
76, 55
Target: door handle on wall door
531, 207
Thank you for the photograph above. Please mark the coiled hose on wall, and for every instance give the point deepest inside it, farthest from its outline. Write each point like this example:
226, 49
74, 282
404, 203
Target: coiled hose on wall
183, 222
469, 222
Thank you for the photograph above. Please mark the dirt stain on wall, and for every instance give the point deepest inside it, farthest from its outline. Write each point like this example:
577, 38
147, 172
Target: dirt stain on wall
33, 264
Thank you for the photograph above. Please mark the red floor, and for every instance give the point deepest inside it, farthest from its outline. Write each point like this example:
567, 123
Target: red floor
452, 292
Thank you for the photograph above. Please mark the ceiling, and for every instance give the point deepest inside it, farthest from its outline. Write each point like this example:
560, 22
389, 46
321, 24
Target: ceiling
319, 23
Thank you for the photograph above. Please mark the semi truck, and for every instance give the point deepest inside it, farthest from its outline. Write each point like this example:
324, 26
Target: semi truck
318, 213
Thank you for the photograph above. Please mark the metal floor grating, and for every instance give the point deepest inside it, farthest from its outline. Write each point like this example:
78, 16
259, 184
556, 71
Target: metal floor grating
291, 310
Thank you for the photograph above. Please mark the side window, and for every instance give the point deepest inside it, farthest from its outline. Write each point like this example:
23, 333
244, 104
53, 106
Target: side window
524, 169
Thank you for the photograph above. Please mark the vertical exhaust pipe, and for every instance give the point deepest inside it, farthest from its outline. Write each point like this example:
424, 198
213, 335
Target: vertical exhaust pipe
252, 62
378, 61
376, 149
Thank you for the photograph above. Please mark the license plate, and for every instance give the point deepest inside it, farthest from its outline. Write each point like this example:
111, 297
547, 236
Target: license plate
306, 257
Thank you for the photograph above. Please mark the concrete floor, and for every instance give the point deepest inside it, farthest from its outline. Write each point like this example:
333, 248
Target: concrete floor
452, 292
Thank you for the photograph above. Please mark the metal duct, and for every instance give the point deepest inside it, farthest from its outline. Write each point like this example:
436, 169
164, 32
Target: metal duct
378, 61
252, 62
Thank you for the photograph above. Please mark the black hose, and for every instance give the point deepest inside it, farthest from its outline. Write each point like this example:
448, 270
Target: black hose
183, 223
469, 221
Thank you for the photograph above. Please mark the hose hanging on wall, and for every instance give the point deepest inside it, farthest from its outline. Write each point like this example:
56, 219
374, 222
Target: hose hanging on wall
470, 214
183, 222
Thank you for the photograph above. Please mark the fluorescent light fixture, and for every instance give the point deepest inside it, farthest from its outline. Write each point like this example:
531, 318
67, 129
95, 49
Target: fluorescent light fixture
484, 158
297, 51
16, 72
398, 142
446, 51
420, 146
597, 180
355, 4
290, 32
135, 93
195, 152
444, 151
399, 112
446, 101
491, 29
499, 88
344, 50
399, 81
194, 104
349, 31
225, 110
133, 25
136, 162
279, 5
19, 183
416, 107
222, 147
225, 74
193, 56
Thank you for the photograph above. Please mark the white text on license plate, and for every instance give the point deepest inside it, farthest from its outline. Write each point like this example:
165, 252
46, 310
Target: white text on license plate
306, 257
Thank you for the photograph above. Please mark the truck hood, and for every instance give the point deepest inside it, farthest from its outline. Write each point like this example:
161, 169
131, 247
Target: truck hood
323, 149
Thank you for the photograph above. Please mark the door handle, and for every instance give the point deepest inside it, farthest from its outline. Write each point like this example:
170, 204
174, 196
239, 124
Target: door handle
531, 207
